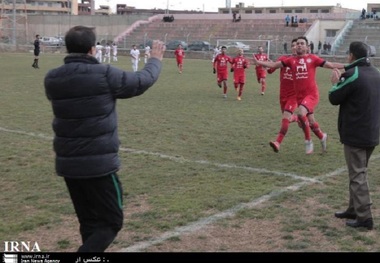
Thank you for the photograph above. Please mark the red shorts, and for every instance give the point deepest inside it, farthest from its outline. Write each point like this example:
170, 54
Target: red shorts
239, 79
261, 74
288, 104
309, 102
222, 75
179, 61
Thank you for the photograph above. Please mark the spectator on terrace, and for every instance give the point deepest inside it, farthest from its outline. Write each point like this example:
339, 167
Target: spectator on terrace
287, 20
311, 47
325, 47
363, 13
168, 18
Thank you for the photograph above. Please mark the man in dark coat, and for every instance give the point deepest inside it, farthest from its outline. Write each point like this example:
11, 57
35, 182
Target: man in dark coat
357, 92
83, 95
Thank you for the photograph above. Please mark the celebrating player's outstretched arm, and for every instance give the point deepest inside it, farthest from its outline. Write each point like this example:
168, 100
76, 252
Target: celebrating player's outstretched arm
269, 64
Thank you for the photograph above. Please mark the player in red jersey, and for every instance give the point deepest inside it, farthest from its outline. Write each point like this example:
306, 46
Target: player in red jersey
288, 99
179, 54
261, 72
239, 64
220, 67
303, 67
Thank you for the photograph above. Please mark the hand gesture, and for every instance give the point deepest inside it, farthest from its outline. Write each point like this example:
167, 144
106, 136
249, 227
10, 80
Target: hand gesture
335, 76
158, 49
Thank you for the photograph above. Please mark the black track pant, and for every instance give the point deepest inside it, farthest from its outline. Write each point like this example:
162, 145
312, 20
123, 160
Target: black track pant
99, 207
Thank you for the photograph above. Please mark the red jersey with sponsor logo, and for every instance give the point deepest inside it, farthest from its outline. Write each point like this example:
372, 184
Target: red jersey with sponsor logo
304, 71
179, 54
239, 64
221, 61
287, 89
261, 57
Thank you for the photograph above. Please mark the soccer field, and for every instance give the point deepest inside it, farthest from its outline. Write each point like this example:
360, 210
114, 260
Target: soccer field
197, 169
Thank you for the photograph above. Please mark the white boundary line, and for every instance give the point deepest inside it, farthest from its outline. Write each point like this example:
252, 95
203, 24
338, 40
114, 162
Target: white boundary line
230, 166
179, 159
203, 222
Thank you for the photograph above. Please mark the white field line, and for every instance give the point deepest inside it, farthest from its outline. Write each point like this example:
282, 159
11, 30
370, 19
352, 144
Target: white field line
203, 222
179, 159
32, 134
229, 166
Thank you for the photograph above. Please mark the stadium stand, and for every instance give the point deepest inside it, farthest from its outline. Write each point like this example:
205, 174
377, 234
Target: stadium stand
211, 29
361, 30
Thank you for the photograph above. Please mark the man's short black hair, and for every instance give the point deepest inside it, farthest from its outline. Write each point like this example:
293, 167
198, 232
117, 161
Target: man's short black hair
80, 39
359, 49
304, 38
224, 47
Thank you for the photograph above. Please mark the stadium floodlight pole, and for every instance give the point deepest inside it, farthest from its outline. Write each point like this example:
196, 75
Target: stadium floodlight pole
14, 23
167, 6
228, 5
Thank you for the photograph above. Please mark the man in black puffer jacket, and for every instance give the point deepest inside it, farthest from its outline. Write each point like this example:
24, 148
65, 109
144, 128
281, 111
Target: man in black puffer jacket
357, 91
83, 96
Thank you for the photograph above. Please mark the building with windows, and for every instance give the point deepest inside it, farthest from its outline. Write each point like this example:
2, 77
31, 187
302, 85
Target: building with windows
87, 7
242, 9
53, 7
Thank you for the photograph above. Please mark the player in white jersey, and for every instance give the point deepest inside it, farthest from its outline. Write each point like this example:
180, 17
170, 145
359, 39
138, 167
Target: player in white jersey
146, 53
107, 53
135, 57
216, 52
114, 51
99, 52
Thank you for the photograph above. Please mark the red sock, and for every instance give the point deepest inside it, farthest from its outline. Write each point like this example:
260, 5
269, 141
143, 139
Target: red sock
241, 89
283, 130
305, 126
263, 86
317, 131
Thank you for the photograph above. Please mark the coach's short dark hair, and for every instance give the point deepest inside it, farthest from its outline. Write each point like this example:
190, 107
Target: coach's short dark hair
359, 49
80, 39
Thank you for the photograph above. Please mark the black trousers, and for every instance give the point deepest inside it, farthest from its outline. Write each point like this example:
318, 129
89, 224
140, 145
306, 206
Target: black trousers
99, 208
